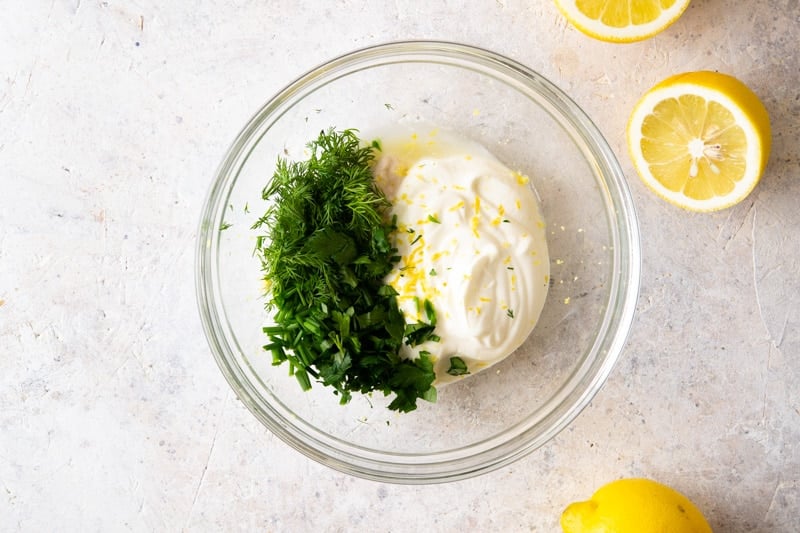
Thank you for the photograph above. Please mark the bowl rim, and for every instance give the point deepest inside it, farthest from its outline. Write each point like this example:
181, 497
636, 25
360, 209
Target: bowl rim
573, 395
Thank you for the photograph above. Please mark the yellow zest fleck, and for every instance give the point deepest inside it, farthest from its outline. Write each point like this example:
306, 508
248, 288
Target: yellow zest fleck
458, 206
507, 260
404, 197
468, 157
501, 210
540, 224
414, 136
497, 221
559, 261
485, 299
477, 205
473, 223
522, 179
566, 300
459, 187
518, 204
506, 244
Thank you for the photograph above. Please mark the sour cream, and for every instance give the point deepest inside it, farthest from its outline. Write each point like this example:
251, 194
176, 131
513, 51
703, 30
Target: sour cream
472, 241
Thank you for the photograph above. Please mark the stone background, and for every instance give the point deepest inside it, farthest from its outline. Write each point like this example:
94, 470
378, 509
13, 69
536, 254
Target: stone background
113, 414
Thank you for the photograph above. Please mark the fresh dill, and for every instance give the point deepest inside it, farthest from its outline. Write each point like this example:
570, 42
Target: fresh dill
325, 248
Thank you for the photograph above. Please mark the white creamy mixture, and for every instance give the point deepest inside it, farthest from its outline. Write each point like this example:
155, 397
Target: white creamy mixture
472, 242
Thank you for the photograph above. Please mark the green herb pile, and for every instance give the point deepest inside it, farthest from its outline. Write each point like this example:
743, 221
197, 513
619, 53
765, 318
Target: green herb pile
325, 249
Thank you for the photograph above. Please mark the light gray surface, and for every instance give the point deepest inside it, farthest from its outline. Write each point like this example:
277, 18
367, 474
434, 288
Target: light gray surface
113, 415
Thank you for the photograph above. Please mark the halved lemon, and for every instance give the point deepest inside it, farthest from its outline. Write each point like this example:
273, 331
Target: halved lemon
622, 20
700, 140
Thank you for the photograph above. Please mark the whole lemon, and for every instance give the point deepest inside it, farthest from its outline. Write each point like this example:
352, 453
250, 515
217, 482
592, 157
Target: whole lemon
634, 506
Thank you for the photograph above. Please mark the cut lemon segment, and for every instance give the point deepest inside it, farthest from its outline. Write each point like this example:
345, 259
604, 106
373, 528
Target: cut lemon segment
622, 20
700, 140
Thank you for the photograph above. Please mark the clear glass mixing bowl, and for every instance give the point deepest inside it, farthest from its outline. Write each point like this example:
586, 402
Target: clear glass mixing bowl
498, 415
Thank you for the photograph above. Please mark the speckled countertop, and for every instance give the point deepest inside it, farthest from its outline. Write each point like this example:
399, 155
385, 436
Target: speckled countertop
113, 414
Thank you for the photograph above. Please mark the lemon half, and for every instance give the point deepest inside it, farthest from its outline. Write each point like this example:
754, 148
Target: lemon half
622, 20
700, 140
634, 506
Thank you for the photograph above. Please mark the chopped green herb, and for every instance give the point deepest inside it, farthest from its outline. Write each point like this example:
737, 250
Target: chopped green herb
418, 237
432, 272
510, 313
389, 106
325, 250
433, 219
376, 144
457, 367
430, 314
224, 226
505, 220
246, 207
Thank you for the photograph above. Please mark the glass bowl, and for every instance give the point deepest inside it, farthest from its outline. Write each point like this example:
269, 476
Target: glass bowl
495, 416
